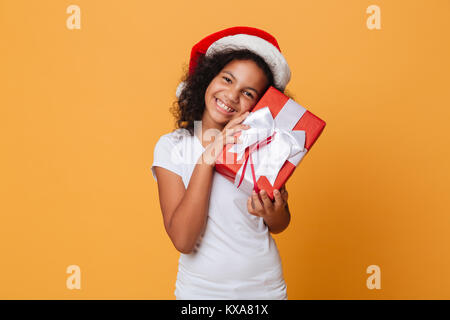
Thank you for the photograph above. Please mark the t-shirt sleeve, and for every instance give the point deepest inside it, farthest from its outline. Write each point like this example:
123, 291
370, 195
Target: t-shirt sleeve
167, 156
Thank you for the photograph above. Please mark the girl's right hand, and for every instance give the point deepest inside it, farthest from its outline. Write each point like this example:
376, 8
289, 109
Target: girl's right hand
226, 136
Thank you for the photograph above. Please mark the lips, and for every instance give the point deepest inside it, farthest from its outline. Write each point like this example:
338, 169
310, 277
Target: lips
223, 107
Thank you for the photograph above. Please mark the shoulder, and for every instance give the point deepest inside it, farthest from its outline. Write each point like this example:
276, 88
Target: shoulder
179, 135
178, 142
176, 137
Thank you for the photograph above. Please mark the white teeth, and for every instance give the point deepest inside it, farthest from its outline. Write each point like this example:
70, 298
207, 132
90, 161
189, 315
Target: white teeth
223, 106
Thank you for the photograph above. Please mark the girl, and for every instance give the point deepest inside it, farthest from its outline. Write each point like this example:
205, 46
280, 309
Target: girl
227, 251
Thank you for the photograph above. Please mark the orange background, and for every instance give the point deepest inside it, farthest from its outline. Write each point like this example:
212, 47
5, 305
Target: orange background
81, 111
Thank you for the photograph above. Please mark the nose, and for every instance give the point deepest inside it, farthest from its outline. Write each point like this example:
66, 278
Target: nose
232, 95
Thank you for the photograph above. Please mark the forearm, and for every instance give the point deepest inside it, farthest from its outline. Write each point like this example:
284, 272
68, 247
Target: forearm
278, 223
190, 217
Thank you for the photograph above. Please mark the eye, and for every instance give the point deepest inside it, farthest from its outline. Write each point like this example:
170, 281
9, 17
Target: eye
226, 78
248, 94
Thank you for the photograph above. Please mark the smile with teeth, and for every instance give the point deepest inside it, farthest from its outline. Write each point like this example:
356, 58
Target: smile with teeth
224, 107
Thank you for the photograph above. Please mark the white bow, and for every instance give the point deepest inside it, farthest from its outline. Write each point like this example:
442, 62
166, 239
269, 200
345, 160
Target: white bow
283, 144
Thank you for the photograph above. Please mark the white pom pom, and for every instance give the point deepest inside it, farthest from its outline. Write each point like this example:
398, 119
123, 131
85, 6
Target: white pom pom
180, 88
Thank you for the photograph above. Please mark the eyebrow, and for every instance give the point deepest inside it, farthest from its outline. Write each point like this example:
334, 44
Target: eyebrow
250, 88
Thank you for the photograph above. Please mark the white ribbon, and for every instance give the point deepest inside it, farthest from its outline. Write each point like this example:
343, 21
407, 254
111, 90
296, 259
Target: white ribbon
268, 159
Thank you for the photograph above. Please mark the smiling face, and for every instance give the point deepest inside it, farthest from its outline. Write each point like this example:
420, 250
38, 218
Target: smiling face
235, 90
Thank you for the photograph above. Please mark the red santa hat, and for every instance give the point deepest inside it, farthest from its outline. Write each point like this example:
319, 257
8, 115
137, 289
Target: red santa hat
253, 39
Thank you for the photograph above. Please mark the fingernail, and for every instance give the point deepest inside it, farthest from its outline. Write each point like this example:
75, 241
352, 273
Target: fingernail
276, 191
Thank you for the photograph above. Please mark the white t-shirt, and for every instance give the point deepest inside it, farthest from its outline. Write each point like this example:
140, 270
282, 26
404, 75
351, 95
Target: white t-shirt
236, 256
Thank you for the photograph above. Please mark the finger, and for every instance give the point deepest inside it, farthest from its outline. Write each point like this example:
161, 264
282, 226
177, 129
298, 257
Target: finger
241, 118
237, 120
250, 208
284, 192
230, 136
244, 115
243, 126
239, 128
279, 201
266, 200
256, 202
234, 130
285, 195
229, 131
232, 139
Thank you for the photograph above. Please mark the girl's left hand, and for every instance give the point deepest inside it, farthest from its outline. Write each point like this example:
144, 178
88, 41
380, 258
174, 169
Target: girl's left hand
265, 207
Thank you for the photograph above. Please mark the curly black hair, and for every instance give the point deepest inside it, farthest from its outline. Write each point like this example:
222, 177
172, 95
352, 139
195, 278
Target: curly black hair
191, 103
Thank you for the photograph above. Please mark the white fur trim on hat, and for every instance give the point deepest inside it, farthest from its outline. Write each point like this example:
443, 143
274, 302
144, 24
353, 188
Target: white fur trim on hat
271, 55
180, 88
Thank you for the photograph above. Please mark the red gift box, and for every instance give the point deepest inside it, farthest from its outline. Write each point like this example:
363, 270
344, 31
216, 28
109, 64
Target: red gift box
293, 132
